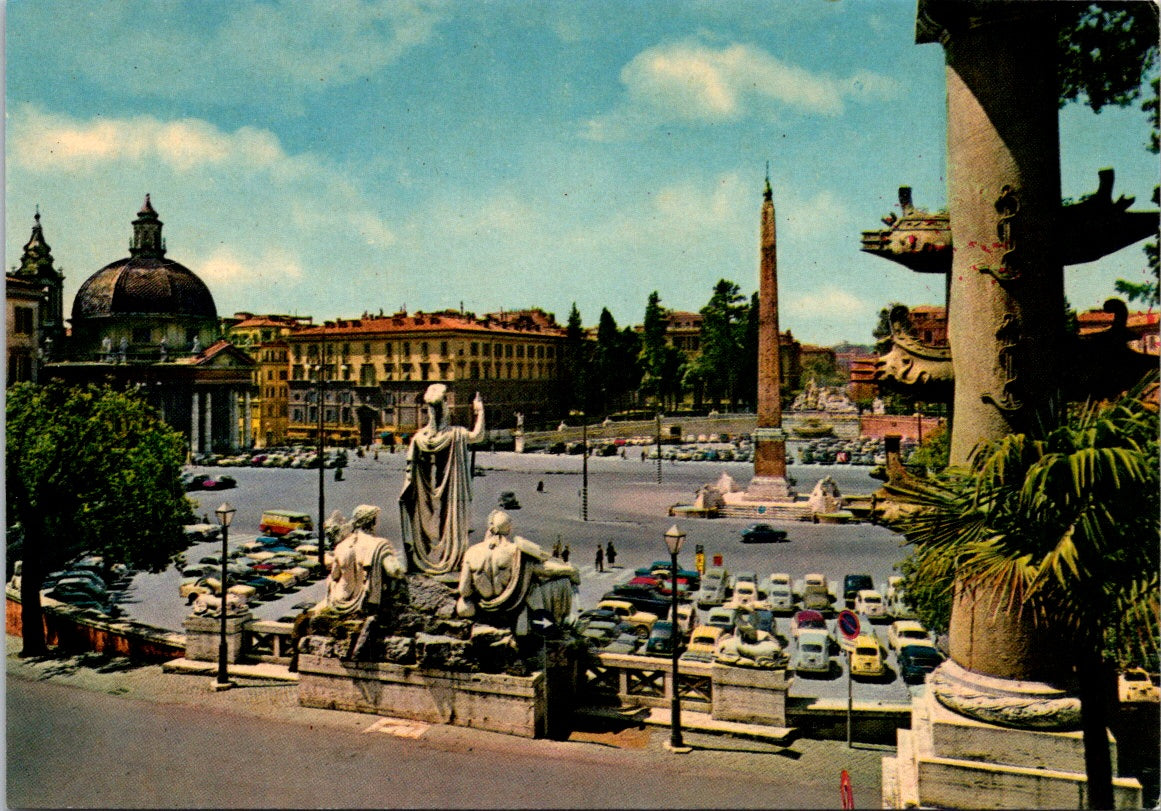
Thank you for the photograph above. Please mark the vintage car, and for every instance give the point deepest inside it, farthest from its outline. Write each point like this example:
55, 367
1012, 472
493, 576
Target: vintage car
203, 481
853, 584
780, 597
282, 522
1135, 685
746, 595
813, 653
805, 620
660, 641
907, 632
916, 661
723, 618
816, 594
642, 621
867, 658
713, 588
703, 643
508, 501
870, 604
763, 533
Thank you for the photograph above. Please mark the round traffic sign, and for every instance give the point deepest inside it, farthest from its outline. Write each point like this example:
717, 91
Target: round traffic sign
848, 623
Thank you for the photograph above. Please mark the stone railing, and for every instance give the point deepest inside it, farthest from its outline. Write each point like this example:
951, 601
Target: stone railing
749, 694
267, 641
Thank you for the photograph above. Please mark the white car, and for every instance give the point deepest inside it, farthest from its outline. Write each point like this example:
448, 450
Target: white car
780, 597
746, 595
780, 578
870, 604
713, 588
907, 632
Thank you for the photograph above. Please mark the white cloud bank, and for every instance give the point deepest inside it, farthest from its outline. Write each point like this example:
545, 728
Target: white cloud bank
691, 82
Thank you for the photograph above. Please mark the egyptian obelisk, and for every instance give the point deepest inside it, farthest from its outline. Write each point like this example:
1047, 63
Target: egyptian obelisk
769, 482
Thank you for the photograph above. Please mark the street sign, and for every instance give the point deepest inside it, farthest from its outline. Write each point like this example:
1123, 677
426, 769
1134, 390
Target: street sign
848, 623
543, 623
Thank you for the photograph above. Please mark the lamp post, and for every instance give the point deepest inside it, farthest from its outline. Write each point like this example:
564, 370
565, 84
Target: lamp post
320, 384
674, 538
585, 467
225, 514
659, 447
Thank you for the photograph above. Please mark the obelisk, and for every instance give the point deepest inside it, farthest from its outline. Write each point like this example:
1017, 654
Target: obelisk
769, 482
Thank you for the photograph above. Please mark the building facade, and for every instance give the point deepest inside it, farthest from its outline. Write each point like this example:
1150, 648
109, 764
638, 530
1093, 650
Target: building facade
375, 370
263, 338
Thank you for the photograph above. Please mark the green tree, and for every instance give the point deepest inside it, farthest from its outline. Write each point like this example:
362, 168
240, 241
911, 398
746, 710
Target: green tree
748, 363
89, 470
653, 348
722, 336
1063, 525
575, 356
614, 370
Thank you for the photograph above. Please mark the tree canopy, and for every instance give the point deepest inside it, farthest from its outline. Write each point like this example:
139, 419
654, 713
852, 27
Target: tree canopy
90, 470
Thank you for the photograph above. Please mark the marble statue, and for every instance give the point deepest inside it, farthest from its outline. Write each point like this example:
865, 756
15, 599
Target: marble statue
365, 567
505, 577
124, 348
437, 490
163, 346
107, 349
196, 346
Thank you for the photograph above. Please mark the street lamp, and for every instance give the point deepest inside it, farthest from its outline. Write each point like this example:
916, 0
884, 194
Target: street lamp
225, 514
674, 538
320, 375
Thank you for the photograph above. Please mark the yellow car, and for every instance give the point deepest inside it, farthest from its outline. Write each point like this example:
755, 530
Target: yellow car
642, 621
704, 643
1135, 685
867, 658
285, 579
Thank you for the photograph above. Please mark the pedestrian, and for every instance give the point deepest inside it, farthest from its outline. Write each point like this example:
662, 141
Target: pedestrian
600, 558
556, 549
611, 554
540, 486
564, 553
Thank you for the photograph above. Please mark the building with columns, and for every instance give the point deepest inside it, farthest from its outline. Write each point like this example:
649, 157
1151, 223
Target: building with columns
149, 322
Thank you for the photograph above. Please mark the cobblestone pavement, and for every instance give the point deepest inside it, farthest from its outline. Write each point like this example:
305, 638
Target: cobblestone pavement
807, 769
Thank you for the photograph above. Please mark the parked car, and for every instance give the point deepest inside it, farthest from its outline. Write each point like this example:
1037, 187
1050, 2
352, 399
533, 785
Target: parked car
660, 569
1135, 685
599, 630
508, 501
763, 620
870, 604
916, 661
645, 598
816, 594
897, 605
853, 584
703, 643
627, 640
763, 533
907, 632
780, 597
867, 658
687, 618
805, 620
642, 621
746, 595
713, 588
203, 481
813, 653
282, 522
661, 639
745, 577
199, 533
722, 617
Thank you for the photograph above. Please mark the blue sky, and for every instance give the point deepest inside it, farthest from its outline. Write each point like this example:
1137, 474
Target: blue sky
326, 158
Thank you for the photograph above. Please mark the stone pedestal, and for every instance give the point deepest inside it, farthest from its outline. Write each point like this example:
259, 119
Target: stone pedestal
519, 442
948, 760
203, 635
750, 695
514, 705
769, 488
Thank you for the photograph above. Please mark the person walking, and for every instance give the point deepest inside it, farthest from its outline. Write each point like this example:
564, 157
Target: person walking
564, 553
556, 549
611, 554
600, 558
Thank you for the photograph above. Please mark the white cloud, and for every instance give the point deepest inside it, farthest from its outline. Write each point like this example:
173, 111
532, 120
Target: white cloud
689, 81
824, 303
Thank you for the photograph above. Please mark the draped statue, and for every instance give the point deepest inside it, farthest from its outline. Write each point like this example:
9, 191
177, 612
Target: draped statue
504, 577
364, 566
437, 491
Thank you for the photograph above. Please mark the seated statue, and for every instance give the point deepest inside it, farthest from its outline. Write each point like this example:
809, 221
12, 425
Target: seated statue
750, 647
503, 577
364, 568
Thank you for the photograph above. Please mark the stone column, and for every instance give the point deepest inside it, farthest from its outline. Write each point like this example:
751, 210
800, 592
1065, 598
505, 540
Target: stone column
769, 482
195, 425
248, 423
233, 395
209, 428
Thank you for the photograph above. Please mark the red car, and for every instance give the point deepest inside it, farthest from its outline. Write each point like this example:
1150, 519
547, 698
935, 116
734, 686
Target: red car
804, 620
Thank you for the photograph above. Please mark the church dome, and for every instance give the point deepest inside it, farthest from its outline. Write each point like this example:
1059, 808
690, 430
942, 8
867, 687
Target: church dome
145, 282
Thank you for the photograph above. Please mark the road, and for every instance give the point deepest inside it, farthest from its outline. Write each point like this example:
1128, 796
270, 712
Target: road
626, 505
254, 748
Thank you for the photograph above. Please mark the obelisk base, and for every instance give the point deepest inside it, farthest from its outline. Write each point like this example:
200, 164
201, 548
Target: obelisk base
769, 488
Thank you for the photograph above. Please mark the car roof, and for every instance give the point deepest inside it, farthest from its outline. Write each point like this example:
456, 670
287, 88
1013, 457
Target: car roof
812, 632
908, 625
809, 614
916, 650
870, 593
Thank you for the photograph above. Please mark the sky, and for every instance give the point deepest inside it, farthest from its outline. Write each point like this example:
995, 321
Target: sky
330, 158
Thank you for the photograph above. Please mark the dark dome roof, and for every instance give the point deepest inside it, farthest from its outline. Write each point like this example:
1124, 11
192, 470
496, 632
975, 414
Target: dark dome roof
144, 285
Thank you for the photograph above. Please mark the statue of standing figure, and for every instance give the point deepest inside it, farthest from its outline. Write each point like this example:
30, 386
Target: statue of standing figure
507, 576
437, 491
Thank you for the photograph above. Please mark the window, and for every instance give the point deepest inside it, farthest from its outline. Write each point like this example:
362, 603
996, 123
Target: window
406, 351
23, 320
366, 349
425, 371
475, 349
296, 373
475, 371
508, 351
548, 352
298, 415
423, 349
281, 374
443, 348
367, 375
487, 350
520, 351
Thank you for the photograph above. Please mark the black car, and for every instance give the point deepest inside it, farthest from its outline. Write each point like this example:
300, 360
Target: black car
916, 661
660, 642
763, 533
643, 598
508, 501
853, 584
201, 481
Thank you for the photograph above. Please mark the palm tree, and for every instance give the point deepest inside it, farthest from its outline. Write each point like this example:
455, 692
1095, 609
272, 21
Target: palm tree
1062, 527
